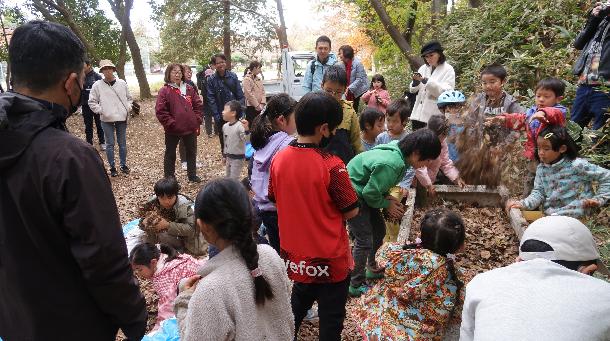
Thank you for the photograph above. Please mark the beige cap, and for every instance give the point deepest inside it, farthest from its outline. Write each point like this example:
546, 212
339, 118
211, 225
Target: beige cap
106, 63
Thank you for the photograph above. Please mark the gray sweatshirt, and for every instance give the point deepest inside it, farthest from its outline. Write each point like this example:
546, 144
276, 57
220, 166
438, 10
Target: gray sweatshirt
235, 140
536, 300
222, 306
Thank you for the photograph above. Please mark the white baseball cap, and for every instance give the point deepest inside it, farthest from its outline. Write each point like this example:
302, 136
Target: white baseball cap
570, 239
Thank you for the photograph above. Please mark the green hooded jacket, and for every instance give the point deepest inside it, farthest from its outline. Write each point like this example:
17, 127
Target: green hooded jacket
375, 172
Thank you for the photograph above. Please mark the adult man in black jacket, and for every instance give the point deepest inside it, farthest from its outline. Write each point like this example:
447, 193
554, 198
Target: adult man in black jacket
88, 115
222, 87
64, 273
593, 69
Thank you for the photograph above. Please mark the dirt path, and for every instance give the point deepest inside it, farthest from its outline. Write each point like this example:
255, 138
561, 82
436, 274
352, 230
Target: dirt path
145, 148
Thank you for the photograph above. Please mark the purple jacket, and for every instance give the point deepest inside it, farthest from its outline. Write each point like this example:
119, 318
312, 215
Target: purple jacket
260, 169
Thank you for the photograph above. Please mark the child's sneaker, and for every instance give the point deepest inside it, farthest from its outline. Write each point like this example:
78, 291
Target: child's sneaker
183, 165
357, 292
374, 272
312, 314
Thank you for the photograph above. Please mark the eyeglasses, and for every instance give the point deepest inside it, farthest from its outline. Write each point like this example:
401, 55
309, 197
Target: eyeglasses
334, 93
177, 72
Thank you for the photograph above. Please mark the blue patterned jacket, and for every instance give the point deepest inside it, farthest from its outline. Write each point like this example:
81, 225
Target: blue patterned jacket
562, 187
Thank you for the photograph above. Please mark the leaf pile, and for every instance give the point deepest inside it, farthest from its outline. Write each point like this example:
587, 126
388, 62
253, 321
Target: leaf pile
486, 152
490, 240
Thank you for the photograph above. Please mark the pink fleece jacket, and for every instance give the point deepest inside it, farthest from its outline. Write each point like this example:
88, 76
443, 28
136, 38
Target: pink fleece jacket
370, 98
165, 282
427, 175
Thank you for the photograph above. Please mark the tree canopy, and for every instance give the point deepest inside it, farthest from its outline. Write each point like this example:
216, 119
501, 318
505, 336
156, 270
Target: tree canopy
252, 28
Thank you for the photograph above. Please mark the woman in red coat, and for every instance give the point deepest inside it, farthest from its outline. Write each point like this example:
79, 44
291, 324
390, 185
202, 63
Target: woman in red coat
179, 109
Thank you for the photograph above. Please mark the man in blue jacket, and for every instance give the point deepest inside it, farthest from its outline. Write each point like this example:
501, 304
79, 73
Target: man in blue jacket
222, 87
316, 68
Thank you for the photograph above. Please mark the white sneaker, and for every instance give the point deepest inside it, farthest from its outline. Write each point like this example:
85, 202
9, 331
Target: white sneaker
198, 165
184, 166
103, 146
312, 314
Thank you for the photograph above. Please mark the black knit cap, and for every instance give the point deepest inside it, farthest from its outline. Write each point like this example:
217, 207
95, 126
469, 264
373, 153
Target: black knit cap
433, 46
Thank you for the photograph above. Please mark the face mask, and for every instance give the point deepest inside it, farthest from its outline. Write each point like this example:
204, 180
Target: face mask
74, 108
325, 141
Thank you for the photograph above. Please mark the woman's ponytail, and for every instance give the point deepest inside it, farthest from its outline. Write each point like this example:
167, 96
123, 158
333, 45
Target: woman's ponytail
262, 288
263, 126
225, 205
169, 251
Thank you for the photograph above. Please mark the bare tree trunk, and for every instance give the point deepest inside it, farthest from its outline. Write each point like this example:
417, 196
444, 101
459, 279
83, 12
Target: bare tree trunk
439, 10
281, 30
410, 29
121, 11
120, 65
399, 39
475, 3
226, 30
60, 7
8, 65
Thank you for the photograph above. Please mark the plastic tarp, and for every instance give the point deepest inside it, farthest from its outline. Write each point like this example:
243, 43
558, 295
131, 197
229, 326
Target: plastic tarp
169, 331
133, 235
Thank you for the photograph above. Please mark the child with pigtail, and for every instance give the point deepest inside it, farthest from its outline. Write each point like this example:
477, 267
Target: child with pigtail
420, 290
243, 293
165, 267
272, 131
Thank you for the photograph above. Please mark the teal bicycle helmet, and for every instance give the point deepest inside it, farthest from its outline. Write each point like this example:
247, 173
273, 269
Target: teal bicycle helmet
450, 97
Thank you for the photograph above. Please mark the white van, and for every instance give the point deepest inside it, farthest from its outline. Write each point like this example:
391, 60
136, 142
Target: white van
292, 73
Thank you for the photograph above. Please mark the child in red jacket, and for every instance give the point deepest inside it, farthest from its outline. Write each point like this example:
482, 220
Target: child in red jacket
546, 111
314, 197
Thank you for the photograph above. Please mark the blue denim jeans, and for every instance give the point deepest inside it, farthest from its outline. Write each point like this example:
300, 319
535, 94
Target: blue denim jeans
590, 104
121, 131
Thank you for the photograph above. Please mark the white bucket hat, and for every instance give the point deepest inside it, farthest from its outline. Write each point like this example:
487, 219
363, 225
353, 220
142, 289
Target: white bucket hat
106, 63
570, 239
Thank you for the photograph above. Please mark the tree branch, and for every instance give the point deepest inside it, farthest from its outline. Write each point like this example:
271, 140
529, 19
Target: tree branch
401, 42
264, 17
43, 10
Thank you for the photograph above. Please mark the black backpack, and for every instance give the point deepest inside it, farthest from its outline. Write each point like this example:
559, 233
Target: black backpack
201, 82
340, 146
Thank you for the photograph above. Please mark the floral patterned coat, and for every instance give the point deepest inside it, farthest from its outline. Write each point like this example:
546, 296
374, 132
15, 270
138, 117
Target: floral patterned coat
413, 302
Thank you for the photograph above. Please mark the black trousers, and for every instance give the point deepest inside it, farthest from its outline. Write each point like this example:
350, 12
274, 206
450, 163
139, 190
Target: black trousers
331, 298
169, 161
89, 117
418, 125
208, 122
269, 218
218, 124
182, 150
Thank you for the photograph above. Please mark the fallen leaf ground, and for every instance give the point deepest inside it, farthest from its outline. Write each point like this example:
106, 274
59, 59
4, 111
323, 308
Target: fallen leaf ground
490, 240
